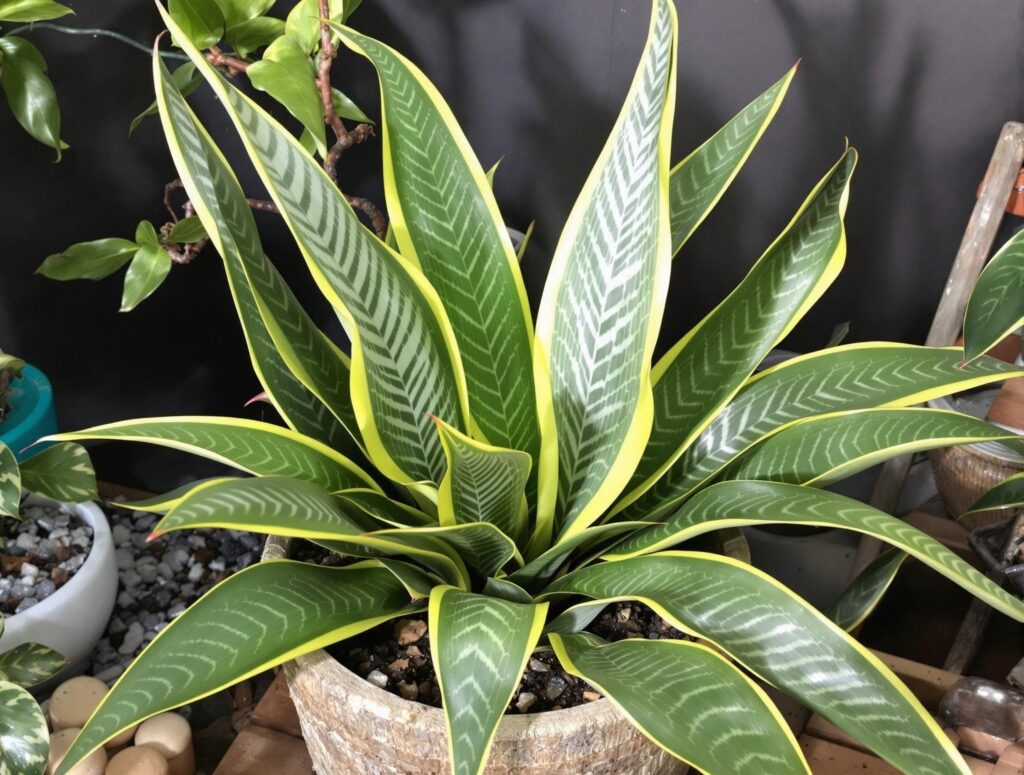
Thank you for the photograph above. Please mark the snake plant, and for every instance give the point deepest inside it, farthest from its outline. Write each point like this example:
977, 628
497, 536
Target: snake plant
511, 478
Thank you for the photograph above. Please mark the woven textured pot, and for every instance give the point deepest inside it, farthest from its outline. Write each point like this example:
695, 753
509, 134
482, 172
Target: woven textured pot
351, 726
963, 474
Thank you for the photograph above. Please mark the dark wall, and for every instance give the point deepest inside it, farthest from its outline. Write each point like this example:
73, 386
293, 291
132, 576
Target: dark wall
921, 87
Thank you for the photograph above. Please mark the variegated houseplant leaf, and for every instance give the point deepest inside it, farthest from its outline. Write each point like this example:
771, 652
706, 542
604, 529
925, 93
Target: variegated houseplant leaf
511, 481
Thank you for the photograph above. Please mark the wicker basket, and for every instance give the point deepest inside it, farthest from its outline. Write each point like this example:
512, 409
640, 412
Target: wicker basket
351, 727
965, 473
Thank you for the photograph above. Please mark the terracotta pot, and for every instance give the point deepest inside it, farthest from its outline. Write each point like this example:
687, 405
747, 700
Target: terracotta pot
352, 726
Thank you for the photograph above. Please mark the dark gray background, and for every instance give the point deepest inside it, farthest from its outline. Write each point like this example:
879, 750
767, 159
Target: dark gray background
920, 87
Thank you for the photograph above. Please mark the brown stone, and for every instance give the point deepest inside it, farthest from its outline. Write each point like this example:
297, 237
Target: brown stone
276, 711
409, 631
258, 749
11, 564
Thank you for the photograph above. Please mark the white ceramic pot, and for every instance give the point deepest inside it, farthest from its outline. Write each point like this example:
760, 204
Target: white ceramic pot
73, 618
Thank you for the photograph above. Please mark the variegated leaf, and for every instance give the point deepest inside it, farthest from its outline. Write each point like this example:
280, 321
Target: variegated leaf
305, 377
604, 298
276, 505
1008, 494
61, 472
689, 700
481, 545
405, 363
254, 447
865, 592
161, 504
258, 618
446, 220
823, 450
996, 306
24, 738
479, 646
856, 376
385, 510
733, 504
483, 484
30, 664
782, 639
706, 368
698, 181
10, 483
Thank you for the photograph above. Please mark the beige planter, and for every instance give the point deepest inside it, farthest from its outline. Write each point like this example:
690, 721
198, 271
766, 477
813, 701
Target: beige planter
351, 727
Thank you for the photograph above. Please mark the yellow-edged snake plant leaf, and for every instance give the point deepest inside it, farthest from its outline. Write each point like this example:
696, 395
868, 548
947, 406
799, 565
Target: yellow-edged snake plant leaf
161, 504
603, 302
24, 736
996, 306
257, 448
383, 509
865, 592
855, 376
482, 546
706, 368
483, 484
542, 568
698, 181
480, 646
822, 450
734, 504
405, 361
446, 221
258, 618
61, 472
1008, 494
780, 638
306, 378
10, 483
283, 506
29, 664
689, 700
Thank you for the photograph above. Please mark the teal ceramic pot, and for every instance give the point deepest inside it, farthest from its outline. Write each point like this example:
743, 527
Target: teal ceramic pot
32, 415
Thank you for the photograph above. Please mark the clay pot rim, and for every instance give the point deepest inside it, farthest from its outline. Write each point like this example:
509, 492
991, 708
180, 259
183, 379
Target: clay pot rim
331, 672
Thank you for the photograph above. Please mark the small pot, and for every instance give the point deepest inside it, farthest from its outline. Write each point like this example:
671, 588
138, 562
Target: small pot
350, 726
32, 415
73, 618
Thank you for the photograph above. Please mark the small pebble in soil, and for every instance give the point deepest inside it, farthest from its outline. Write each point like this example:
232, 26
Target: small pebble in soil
39, 554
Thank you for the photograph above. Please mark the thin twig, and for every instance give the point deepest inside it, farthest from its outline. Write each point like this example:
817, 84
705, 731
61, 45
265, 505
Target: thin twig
169, 189
377, 219
323, 79
95, 32
229, 64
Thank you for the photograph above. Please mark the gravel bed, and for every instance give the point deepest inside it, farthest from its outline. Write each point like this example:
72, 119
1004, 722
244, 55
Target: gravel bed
160, 579
40, 554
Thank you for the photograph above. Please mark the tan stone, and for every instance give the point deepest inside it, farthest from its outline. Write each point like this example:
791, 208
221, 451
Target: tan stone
138, 760
75, 700
60, 742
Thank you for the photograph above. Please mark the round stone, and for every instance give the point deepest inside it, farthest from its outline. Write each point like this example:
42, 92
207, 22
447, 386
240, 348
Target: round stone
75, 700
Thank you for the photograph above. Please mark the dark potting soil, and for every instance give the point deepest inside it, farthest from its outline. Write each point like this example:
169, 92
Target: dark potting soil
396, 657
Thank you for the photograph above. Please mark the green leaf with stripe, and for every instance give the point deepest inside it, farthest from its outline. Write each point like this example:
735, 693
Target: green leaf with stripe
734, 504
447, 222
305, 376
479, 646
996, 306
483, 484
856, 376
254, 447
481, 545
276, 505
698, 181
782, 639
30, 664
1008, 494
61, 472
161, 504
822, 450
383, 509
706, 368
604, 298
689, 700
405, 363
260, 617
24, 737
865, 592
10, 483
